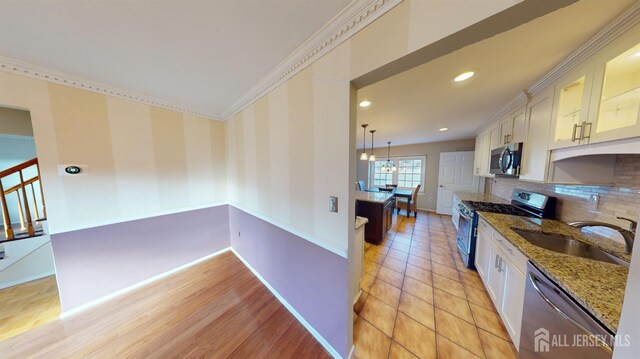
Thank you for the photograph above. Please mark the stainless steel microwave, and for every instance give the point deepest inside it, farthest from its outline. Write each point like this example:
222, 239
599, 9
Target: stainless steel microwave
505, 160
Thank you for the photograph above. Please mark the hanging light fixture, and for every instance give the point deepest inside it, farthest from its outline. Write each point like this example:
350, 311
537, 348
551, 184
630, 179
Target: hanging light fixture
364, 155
389, 166
372, 158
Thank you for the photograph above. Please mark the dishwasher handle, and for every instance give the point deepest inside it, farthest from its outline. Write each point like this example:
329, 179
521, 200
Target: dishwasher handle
534, 282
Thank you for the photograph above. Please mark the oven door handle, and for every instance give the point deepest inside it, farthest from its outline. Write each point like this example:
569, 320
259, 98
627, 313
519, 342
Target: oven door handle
533, 280
463, 215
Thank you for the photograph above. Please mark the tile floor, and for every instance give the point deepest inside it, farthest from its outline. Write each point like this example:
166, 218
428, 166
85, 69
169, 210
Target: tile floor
419, 301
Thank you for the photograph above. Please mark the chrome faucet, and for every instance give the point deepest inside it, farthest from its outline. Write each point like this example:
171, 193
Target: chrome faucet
628, 234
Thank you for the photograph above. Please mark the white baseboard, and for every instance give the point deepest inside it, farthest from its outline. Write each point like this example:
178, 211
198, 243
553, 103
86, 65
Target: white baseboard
27, 279
120, 292
292, 310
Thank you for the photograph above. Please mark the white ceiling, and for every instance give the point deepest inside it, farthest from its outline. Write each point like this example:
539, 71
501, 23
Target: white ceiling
410, 107
200, 55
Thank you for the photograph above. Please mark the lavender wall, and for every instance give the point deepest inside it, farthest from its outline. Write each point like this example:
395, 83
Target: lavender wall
312, 279
92, 263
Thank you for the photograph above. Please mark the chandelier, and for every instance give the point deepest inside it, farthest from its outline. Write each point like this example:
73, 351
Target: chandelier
389, 166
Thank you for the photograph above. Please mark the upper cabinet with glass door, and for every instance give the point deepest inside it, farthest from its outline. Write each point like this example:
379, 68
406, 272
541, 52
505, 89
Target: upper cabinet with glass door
615, 105
571, 107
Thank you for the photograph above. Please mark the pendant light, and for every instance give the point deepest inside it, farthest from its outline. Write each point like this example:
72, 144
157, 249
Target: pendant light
372, 158
389, 166
364, 156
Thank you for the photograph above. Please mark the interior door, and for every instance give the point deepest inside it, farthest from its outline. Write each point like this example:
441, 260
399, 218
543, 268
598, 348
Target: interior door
455, 174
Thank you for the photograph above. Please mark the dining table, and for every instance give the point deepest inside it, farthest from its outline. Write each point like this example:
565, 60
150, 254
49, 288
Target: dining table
402, 193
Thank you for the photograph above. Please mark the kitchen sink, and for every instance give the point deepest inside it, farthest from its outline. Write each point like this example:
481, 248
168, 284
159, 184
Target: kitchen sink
569, 246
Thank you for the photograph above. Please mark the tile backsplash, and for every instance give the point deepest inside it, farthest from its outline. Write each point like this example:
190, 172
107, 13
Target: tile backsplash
576, 202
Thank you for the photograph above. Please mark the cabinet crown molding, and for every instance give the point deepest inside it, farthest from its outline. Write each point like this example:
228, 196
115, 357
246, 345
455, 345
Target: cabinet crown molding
628, 19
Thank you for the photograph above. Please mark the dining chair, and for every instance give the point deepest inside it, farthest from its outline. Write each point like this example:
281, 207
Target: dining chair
402, 203
361, 185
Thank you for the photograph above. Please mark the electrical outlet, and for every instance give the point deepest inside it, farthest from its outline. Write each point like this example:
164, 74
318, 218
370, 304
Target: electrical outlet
333, 204
238, 234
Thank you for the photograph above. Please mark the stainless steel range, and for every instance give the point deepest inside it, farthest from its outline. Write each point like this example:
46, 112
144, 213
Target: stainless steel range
523, 203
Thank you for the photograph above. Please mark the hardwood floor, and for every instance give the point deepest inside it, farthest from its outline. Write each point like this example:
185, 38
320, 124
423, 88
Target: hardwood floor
27, 306
216, 309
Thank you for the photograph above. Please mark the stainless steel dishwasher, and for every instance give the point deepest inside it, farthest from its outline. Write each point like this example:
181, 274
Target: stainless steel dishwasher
554, 326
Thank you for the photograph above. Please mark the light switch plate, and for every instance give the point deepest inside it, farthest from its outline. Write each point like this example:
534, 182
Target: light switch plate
333, 204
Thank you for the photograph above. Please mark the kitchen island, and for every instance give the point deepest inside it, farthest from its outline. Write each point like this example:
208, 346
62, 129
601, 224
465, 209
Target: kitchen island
378, 209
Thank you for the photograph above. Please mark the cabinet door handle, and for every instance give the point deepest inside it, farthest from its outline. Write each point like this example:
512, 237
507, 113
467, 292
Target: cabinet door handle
584, 133
500, 266
496, 263
575, 130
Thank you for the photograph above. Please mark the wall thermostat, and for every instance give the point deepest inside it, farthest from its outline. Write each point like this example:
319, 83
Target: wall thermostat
72, 170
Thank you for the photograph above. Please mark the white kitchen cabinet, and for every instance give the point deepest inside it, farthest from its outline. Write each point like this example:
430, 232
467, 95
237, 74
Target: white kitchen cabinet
571, 106
494, 140
500, 266
494, 276
512, 301
615, 103
535, 156
506, 130
358, 257
483, 253
477, 161
512, 127
600, 100
482, 154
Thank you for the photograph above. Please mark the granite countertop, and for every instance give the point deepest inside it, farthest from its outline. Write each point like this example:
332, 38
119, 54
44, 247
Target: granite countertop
376, 197
596, 285
361, 221
480, 197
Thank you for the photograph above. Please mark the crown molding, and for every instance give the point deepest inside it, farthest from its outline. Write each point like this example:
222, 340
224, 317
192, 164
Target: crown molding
353, 18
42, 73
628, 19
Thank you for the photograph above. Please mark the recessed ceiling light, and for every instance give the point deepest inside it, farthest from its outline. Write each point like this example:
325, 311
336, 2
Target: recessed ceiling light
464, 76
365, 103
444, 129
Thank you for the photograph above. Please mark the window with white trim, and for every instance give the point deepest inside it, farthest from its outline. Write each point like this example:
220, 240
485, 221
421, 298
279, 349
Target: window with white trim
410, 173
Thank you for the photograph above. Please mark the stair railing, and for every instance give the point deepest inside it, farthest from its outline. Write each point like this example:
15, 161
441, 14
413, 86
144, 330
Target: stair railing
24, 210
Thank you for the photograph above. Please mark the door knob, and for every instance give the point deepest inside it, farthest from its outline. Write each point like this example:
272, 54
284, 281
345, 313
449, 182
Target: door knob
441, 186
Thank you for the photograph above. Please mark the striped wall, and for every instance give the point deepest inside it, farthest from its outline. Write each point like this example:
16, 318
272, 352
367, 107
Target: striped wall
143, 160
278, 160
293, 148
289, 151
